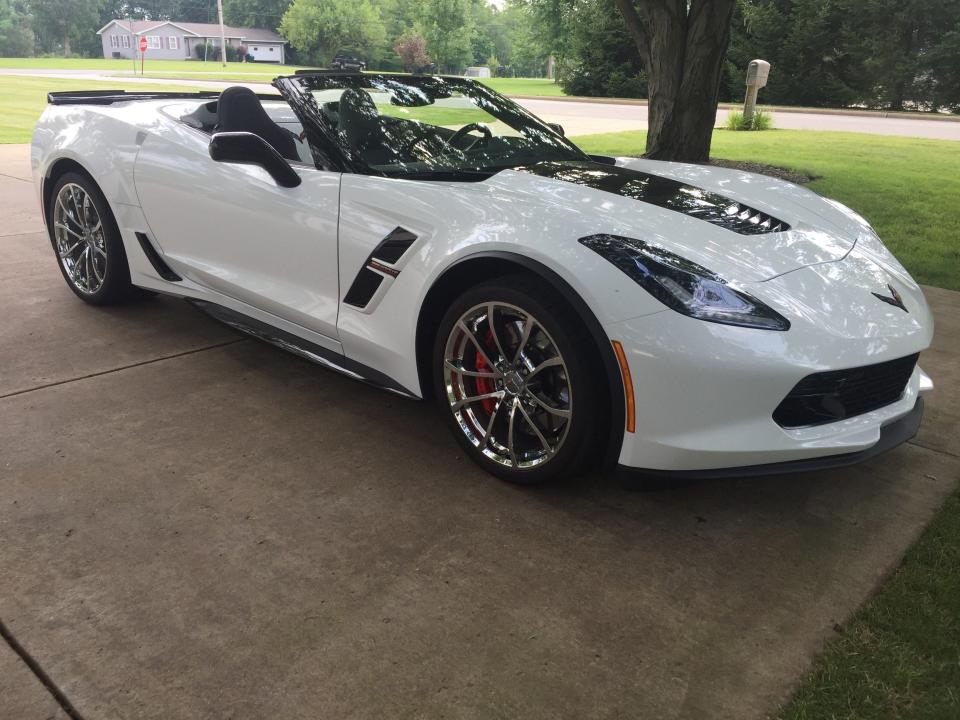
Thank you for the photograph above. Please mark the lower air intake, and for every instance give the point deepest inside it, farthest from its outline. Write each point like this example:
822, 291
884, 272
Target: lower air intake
831, 396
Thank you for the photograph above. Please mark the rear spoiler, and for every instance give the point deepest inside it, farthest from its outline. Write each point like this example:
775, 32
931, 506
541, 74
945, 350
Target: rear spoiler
108, 97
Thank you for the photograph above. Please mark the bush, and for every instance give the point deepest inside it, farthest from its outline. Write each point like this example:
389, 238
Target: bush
213, 52
761, 120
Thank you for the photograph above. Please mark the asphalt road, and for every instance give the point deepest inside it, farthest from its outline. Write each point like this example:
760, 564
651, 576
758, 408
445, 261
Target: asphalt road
584, 118
197, 525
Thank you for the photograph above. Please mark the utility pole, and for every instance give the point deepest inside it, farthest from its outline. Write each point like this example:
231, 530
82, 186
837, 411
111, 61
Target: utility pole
223, 40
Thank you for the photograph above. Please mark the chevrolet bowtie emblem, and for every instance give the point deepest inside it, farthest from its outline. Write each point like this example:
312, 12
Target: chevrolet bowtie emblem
894, 298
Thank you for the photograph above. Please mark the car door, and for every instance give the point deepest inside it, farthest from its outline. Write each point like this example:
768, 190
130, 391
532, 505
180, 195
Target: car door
231, 228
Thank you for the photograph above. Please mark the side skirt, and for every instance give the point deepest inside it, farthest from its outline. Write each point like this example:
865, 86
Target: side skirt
298, 346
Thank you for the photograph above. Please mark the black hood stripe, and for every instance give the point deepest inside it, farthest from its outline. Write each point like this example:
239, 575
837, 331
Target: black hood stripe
662, 192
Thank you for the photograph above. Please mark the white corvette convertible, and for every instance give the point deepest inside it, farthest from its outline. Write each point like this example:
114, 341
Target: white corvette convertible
427, 235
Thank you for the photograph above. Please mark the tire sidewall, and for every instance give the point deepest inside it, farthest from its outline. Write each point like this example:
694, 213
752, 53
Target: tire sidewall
578, 442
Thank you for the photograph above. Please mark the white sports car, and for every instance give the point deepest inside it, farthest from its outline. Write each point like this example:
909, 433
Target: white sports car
430, 236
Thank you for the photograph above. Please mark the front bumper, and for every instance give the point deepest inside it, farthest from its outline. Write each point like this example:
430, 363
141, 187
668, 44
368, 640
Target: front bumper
891, 435
705, 393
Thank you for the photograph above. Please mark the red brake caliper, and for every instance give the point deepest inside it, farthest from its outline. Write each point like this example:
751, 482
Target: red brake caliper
485, 385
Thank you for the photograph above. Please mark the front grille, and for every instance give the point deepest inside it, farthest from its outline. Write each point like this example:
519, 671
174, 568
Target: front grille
830, 396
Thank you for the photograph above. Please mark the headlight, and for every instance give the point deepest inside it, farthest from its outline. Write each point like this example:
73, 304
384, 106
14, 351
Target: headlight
685, 286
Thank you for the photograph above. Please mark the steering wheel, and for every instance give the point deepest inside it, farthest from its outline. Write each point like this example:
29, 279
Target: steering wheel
470, 128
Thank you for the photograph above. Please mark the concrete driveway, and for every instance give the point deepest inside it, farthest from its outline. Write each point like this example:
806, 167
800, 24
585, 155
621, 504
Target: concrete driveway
196, 525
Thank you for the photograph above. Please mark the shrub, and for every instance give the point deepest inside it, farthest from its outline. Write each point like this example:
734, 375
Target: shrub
761, 120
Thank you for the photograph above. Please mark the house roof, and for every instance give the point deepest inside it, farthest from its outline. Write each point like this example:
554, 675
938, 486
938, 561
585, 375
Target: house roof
209, 30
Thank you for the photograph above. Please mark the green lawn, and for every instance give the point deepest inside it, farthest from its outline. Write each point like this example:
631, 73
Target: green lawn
909, 189
899, 656
23, 99
239, 72
539, 87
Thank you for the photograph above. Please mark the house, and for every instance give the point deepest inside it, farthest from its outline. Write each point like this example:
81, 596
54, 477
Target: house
168, 40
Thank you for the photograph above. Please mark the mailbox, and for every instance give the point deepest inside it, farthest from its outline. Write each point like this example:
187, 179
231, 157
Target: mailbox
757, 73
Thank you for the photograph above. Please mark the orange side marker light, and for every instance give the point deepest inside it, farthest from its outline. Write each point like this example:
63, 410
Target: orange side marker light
627, 386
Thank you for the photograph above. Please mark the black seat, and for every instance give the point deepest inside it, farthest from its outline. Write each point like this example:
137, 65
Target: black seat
360, 124
239, 110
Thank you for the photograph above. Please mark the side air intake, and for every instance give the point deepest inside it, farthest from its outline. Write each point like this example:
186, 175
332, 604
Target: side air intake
163, 270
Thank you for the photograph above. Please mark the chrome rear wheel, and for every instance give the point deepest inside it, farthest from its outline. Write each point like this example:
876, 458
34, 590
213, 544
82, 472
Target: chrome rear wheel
508, 385
79, 238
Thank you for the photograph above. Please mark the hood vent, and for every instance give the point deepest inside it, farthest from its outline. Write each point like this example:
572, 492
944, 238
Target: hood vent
663, 192
750, 218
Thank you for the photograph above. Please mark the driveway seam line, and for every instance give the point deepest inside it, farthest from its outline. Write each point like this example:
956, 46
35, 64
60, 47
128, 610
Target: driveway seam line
62, 700
934, 450
122, 367
14, 177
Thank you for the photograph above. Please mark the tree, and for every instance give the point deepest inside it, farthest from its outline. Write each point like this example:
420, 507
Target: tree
254, 13
16, 37
448, 29
682, 44
412, 49
321, 28
58, 22
600, 58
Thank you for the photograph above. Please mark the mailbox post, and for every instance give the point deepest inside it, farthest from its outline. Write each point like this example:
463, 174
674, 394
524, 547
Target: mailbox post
757, 73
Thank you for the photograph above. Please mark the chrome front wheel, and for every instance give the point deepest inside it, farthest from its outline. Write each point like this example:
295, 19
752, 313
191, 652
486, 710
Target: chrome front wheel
508, 385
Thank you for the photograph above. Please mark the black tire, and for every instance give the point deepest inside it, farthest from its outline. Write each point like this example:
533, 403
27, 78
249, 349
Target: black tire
577, 378
115, 286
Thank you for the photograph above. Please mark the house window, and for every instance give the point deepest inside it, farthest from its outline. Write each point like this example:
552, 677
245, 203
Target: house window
173, 42
125, 39
271, 49
153, 42
114, 41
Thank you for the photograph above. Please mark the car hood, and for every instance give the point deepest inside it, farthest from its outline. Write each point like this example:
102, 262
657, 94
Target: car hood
743, 226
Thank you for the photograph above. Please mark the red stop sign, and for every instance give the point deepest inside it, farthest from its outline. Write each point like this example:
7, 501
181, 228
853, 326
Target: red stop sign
143, 44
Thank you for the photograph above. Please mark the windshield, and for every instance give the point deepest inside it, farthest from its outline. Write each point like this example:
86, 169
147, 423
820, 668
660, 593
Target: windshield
427, 126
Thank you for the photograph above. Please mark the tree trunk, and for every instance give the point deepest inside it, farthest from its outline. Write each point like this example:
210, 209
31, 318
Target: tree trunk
682, 49
66, 45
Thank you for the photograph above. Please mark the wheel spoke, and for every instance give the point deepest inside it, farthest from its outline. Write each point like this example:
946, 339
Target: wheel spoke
524, 337
491, 323
552, 362
79, 264
513, 415
67, 228
76, 208
536, 429
96, 272
469, 373
85, 204
467, 400
66, 213
473, 338
559, 412
493, 416
89, 269
70, 249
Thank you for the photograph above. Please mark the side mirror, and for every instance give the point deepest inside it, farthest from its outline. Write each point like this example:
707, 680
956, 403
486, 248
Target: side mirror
557, 128
248, 148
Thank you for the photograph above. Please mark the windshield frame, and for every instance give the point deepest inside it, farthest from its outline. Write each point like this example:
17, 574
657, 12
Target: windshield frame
332, 153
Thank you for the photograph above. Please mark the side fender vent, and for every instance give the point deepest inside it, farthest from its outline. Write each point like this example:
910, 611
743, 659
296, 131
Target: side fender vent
379, 265
163, 270
364, 286
393, 246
